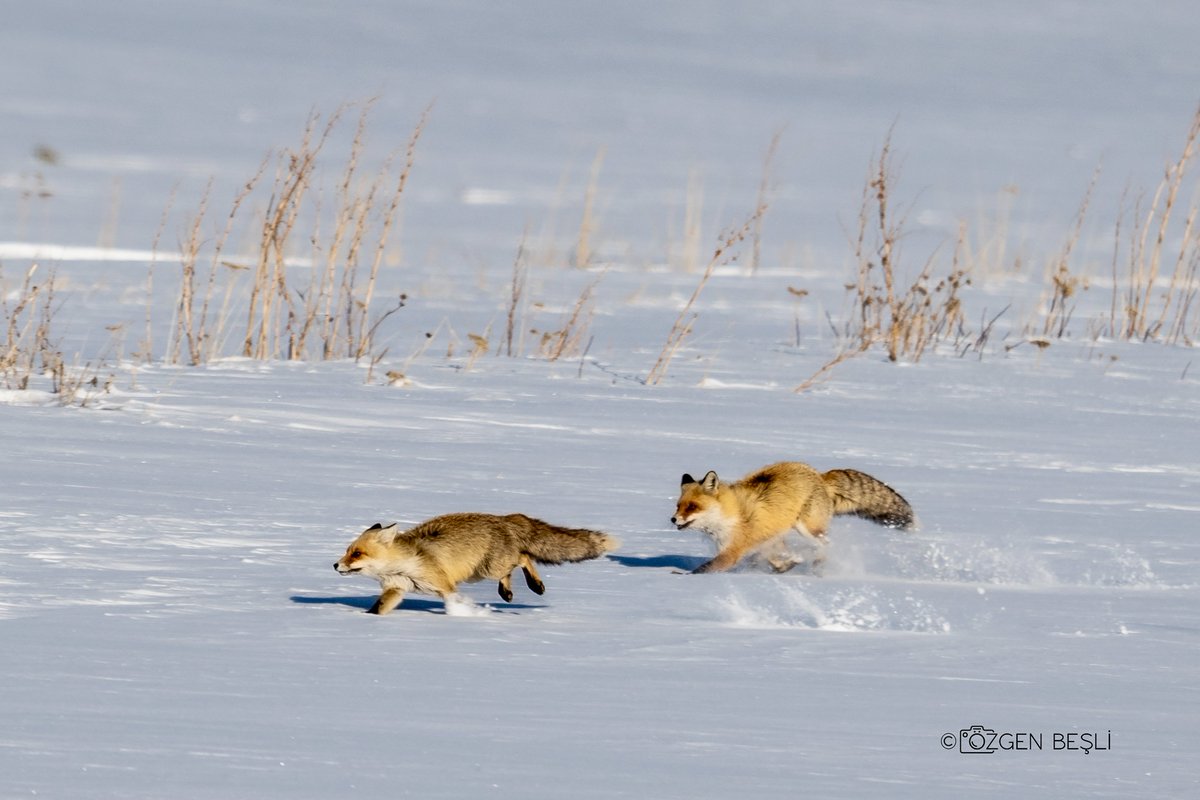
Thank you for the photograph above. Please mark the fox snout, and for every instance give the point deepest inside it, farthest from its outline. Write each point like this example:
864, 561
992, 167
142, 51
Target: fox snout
687, 512
348, 565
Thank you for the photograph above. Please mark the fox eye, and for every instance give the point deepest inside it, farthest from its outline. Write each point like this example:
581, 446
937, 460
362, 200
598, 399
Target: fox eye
690, 508
356, 553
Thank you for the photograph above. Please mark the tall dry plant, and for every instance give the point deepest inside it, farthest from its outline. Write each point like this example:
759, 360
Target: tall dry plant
765, 189
906, 320
1064, 285
693, 224
568, 340
360, 327
563, 342
327, 310
516, 299
24, 333
269, 288
1148, 304
587, 226
29, 349
199, 327
682, 327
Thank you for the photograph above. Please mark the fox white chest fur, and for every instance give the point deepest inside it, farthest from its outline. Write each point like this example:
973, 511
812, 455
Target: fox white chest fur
714, 522
408, 574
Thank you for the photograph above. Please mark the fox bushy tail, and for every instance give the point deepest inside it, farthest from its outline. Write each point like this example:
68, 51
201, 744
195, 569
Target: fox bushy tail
550, 544
857, 493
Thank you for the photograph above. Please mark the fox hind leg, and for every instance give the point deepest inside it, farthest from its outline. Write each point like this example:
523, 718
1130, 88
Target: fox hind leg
505, 588
778, 554
532, 579
820, 546
783, 563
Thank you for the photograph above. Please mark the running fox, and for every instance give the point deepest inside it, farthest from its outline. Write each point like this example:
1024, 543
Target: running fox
768, 504
440, 553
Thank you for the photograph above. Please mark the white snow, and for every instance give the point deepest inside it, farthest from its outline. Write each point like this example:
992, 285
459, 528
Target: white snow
170, 621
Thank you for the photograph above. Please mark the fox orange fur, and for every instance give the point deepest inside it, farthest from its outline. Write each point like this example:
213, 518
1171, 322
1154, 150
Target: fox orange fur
744, 516
440, 553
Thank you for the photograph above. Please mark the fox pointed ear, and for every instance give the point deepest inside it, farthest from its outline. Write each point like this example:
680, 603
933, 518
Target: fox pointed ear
383, 533
686, 479
709, 484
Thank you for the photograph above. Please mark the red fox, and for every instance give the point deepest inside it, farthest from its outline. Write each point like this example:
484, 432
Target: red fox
440, 553
768, 504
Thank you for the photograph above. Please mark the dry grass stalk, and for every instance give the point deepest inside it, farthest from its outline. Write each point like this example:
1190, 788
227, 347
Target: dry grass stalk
764, 199
185, 327
682, 327
909, 321
283, 317
693, 226
587, 226
1064, 285
29, 349
19, 354
567, 340
350, 220
194, 322
987, 253
269, 289
889, 237
360, 331
108, 228
1135, 317
209, 339
146, 348
516, 297
479, 346
826, 368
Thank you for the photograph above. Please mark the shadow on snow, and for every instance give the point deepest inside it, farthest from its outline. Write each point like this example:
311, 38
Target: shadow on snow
408, 604
685, 563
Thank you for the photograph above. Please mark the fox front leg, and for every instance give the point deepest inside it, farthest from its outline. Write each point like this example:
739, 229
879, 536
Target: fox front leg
387, 601
726, 559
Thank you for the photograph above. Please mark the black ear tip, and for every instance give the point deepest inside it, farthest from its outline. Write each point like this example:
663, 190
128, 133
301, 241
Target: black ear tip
375, 527
686, 480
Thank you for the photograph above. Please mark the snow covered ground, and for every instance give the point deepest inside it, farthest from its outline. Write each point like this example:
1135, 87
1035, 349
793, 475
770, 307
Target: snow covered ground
170, 622
173, 625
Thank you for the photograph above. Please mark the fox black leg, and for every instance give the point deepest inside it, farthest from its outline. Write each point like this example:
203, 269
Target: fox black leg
533, 580
505, 589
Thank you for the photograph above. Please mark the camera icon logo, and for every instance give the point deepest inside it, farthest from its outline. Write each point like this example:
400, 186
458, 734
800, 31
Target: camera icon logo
976, 739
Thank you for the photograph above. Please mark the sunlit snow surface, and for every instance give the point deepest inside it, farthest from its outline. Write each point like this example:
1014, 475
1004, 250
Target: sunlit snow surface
170, 621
